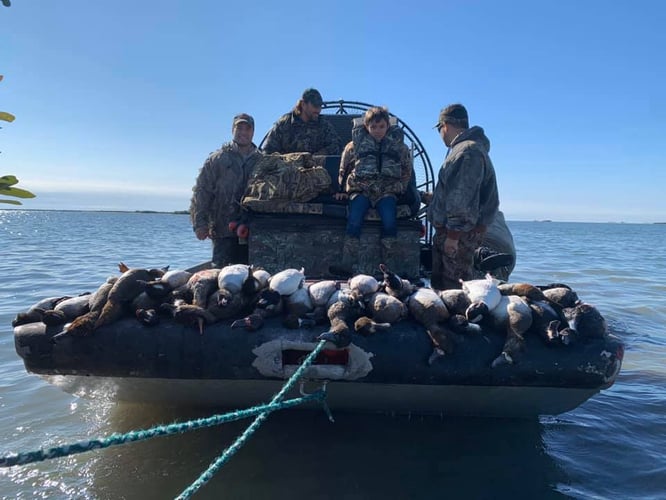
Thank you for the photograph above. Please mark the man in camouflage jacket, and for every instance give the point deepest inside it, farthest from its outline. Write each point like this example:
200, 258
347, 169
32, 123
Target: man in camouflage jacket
465, 200
303, 130
218, 191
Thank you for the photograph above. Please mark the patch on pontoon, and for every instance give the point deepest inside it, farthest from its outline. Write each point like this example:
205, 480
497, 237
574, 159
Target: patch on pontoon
269, 361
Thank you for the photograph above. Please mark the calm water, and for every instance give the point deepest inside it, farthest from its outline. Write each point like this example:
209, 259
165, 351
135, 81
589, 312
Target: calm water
610, 447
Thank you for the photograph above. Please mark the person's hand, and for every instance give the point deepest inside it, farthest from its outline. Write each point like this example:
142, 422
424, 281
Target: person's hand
201, 233
481, 229
340, 196
450, 247
426, 197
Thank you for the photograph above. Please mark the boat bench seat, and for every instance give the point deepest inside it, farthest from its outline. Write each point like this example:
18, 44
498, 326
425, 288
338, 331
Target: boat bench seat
326, 204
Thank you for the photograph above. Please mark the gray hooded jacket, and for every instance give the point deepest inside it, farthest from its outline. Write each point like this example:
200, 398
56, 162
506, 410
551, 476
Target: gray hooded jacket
466, 194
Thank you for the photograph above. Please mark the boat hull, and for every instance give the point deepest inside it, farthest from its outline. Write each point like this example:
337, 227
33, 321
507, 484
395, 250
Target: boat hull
388, 372
450, 400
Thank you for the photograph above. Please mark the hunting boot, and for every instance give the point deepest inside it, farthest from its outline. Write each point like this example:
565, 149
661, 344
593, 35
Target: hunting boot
390, 257
349, 263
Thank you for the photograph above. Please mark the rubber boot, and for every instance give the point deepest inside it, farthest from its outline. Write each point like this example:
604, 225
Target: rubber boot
349, 263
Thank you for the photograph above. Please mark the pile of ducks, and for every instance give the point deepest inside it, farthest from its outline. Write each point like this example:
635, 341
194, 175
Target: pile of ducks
362, 305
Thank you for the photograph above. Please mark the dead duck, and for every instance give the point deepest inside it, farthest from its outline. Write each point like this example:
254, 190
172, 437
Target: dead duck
394, 285
123, 268
530, 292
123, 291
482, 290
299, 302
563, 296
188, 314
287, 281
342, 314
321, 291
74, 307
547, 323
147, 317
49, 317
237, 293
225, 305
364, 285
32, 315
84, 325
426, 307
514, 316
269, 303
455, 300
183, 293
586, 321
52, 317
35, 312
251, 323
367, 326
144, 301
385, 308
202, 284
240, 278
262, 276
171, 280
233, 277
483, 295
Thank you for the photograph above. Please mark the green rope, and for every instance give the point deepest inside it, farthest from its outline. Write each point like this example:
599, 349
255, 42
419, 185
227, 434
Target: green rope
161, 430
240, 441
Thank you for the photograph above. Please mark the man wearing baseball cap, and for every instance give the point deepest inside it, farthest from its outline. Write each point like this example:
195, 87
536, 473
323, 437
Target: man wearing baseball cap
303, 129
218, 190
465, 201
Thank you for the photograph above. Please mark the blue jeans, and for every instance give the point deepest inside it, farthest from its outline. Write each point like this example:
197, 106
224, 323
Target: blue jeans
386, 208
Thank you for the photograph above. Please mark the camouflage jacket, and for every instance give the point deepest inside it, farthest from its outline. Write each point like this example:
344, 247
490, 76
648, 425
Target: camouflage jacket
376, 188
219, 187
466, 193
378, 158
290, 134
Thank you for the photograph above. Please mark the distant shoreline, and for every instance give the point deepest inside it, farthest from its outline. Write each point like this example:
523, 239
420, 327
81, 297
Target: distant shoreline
177, 212
187, 212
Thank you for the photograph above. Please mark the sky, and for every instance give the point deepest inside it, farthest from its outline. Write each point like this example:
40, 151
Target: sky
118, 104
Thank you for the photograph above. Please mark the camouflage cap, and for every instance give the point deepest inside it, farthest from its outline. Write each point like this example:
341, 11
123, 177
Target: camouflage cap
455, 114
312, 96
243, 118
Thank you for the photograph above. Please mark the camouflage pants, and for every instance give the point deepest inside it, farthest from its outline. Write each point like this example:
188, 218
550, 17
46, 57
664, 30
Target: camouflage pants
228, 251
446, 271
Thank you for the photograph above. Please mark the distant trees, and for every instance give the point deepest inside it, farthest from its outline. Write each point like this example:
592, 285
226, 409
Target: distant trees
7, 181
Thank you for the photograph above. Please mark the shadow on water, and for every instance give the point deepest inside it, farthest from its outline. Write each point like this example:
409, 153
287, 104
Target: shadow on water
298, 454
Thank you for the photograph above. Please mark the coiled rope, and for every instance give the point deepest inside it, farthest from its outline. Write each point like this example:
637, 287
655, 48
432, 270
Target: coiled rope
262, 411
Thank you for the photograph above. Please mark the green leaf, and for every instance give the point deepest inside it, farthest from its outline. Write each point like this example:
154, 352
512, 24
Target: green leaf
16, 192
11, 202
8, 180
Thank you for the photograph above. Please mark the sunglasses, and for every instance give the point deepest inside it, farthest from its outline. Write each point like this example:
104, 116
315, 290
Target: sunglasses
439, 126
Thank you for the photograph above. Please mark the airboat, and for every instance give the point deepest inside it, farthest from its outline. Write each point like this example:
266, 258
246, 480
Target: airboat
389, 372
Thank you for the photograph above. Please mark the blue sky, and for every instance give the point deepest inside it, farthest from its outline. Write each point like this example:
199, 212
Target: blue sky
118, 104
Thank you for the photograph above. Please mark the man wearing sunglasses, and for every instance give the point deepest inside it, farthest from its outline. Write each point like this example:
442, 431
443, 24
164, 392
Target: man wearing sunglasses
465, 200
